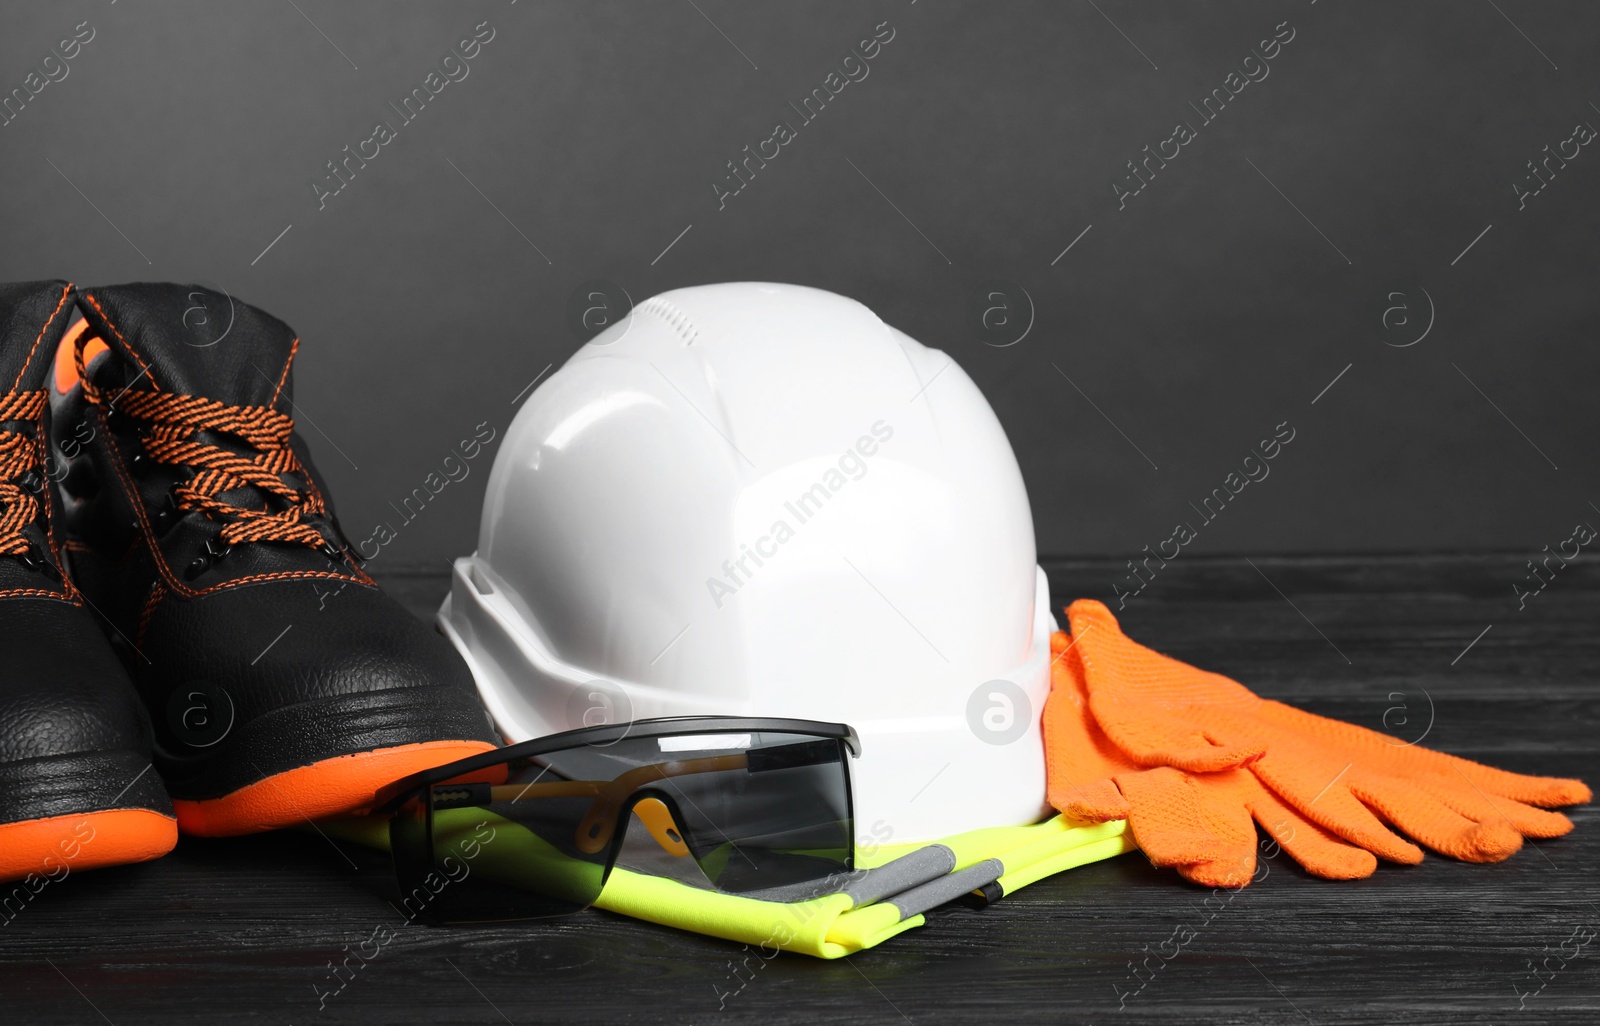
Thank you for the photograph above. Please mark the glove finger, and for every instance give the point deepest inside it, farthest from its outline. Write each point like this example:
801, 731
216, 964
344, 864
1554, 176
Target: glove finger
1227, 817
1146, 673
1166, 818
1432, 822
1327, 802
1321, 853
1405, 760
1086, 609
1153, 736
1079, 760
1097, 801
1230, 873
1074, 745
1487, 807
1117, 674
1547, 792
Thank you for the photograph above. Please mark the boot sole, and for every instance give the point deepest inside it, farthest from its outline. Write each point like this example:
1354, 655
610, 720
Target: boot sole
322, 758
343, 785
68, 813
53, 848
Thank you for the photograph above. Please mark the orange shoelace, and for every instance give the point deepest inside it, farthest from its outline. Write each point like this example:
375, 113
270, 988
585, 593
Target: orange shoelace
174, 421
19, 455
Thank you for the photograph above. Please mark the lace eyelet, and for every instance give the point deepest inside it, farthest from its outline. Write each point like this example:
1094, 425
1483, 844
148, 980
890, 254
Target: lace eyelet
215, 551
167, 514
36, 561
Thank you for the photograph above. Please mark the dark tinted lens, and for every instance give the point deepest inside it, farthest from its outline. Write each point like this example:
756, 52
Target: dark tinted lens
408, 844
754, 810
782, 818
508, 850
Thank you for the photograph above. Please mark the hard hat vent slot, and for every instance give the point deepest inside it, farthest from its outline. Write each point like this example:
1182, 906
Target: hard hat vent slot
675, 318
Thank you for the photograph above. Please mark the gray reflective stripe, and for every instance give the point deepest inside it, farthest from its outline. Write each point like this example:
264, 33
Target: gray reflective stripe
865, 886
937, 892
903, 874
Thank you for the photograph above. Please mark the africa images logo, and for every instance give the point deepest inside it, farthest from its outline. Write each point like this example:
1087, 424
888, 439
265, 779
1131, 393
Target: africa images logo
454, 66
855, 66
54, 67
1253, 68
851, 466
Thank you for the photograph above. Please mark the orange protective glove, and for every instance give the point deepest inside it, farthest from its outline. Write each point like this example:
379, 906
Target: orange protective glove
1201, 824
1161, 712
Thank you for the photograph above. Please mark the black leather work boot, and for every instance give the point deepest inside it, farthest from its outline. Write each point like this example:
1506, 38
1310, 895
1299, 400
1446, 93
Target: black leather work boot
282, 684
76, 786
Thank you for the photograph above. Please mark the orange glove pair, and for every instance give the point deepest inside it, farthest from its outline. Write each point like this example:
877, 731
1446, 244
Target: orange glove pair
1190, 758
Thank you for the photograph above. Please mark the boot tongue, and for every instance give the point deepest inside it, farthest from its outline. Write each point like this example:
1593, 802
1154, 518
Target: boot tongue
32, 316
192, 340
196, 341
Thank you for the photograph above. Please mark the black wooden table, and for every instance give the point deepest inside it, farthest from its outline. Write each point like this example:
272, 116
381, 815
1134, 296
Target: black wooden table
245, 930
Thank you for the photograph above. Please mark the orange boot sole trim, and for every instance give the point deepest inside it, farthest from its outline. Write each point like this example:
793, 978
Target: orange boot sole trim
59, 846
343, 785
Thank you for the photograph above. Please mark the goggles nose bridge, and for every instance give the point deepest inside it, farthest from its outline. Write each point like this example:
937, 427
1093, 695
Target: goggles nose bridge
655, 809
661, 820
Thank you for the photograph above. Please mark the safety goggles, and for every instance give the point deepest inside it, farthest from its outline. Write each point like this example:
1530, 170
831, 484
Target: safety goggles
533, 830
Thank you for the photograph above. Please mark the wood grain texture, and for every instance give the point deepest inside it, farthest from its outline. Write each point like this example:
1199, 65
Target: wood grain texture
244, 930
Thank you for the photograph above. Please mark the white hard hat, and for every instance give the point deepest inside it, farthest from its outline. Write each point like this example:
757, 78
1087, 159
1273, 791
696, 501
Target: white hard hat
757, 499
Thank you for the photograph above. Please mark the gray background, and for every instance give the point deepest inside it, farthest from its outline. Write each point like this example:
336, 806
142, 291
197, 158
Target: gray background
1253, 270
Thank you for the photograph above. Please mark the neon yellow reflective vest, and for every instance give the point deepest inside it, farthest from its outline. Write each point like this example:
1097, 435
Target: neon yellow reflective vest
887, 894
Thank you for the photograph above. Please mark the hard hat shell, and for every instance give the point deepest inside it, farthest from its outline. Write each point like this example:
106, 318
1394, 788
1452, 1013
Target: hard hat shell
759, 499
